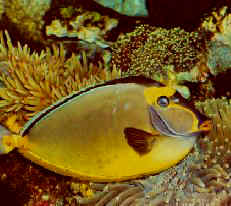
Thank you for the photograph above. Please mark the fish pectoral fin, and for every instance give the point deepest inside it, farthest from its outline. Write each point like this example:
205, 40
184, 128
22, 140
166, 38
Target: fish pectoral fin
139, 140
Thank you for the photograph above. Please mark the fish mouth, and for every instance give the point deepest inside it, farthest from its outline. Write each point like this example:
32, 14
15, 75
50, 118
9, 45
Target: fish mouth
164, 128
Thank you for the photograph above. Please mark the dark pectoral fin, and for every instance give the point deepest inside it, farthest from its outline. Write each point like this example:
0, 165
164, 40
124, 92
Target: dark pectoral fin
139, 140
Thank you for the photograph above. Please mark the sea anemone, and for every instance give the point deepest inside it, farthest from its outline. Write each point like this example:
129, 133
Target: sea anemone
33, 81
113, 194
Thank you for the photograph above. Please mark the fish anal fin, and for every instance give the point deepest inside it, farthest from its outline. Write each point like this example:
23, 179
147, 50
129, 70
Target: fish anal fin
141, 141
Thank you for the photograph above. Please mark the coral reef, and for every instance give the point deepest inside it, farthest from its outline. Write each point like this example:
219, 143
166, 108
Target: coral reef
219, 111
171, 56
27, 16
219, 47
85, 25
33, 81
192, 182
127, 7
124, 47
113, 194
152, 51
29, 185
30, 81
2, 8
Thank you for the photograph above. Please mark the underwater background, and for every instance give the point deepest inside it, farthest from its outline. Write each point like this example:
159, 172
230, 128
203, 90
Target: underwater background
51, 48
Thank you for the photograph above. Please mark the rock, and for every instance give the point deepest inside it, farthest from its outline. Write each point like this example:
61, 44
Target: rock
126, 7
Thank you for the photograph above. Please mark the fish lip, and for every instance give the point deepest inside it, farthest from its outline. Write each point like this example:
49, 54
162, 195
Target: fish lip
163, 127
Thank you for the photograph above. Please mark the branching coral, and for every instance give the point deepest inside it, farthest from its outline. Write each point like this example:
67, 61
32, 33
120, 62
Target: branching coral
33, 81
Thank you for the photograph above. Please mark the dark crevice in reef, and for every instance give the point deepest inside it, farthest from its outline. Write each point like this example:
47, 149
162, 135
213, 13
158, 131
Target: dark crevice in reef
184, 13
8, 196
222, 84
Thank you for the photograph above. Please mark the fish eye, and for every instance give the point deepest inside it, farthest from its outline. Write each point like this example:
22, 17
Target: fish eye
163, 101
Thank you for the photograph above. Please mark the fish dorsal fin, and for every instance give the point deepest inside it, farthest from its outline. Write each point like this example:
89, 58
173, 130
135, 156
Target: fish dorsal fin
139, 140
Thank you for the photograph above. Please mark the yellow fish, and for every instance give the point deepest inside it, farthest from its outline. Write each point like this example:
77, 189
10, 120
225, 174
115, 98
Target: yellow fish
116, 131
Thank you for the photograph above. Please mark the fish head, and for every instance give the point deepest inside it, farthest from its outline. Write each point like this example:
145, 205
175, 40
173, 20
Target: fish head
170, 115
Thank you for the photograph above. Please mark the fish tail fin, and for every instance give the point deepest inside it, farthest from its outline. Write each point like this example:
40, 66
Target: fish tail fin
10, 142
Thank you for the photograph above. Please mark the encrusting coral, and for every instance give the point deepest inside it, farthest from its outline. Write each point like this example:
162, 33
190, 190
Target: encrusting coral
82, 24
33, 81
